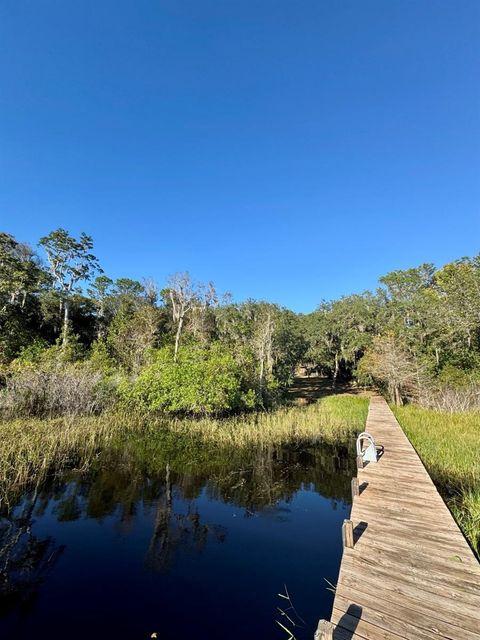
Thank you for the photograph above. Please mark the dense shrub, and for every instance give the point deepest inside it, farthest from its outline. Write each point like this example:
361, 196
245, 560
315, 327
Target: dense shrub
44, 392
452, 390
202, 381
444, 397
48, 382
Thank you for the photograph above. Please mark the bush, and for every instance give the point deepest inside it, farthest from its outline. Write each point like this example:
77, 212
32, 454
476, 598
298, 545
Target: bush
202, 381
41, 392
452, 390
100, 360
40, 353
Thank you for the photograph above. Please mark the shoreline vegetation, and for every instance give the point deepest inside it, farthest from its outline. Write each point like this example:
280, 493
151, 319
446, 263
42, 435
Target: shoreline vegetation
86, 360
34, 449
449, 446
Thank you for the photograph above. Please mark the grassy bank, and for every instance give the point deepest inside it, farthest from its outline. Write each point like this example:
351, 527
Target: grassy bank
32, 449
449, 445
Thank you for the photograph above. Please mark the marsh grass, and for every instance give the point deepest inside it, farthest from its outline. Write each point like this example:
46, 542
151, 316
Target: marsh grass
449, 445
32, 449
332, 420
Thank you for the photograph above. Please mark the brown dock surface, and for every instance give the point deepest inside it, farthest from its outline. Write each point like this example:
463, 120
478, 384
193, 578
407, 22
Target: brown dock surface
410, 574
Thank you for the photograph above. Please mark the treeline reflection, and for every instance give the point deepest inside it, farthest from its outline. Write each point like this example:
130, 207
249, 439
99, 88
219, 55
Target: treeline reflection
162, 481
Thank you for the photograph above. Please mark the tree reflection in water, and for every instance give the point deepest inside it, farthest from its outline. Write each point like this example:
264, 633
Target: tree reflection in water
174, 532
25, 559
163, 480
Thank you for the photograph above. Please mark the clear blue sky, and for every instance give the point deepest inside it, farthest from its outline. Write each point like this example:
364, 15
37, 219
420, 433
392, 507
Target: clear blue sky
289, 150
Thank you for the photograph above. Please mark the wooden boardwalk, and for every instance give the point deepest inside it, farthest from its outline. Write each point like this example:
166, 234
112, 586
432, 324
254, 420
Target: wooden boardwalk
410, 573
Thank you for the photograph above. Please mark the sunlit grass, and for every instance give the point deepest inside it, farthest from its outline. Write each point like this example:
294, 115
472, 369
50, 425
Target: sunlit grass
31, 449
331, 419
449, 445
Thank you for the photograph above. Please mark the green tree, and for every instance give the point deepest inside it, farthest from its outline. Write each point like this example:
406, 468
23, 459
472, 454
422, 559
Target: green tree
132, 335
201, 381
70, 263
458, 287
20, 273
100, 292
21, 279
339, 332
289, 346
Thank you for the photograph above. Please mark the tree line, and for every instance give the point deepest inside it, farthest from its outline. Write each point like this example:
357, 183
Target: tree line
182, 348
417, 336
71, 337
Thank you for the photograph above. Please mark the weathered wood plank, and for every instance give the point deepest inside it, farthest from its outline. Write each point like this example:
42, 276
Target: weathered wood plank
390, 620
407, 597
415, 556
422, 580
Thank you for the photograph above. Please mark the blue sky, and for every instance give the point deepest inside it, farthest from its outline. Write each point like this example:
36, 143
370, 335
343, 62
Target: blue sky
291, 151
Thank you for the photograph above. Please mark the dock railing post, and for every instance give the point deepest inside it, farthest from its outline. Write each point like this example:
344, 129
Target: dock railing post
324, 630
347, 534
355, 488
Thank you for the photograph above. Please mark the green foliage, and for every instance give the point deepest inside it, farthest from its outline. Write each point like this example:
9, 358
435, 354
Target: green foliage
267, 342
131, 336
32, 353
70, 263
21, 279
100, 358
20, 274
339, 333
70, 259
426, 319
403, 286
40, 355
457, 377
289, 346
419, 325
201, 381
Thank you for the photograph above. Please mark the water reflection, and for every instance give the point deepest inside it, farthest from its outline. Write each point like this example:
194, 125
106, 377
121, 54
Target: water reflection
177, 531
159, 506
25, 559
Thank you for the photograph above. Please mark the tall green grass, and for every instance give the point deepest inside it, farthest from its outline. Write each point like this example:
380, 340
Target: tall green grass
32, 449
449, 445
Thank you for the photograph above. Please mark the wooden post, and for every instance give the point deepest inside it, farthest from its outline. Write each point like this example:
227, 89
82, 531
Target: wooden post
324, 630
355, 488
359, 462
347, 534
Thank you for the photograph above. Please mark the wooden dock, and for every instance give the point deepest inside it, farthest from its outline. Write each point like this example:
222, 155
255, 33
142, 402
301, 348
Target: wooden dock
410, 573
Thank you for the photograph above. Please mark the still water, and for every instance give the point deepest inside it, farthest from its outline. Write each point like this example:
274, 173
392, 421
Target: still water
197, 545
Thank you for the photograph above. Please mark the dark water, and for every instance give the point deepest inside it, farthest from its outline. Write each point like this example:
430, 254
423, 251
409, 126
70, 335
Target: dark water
191, 544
